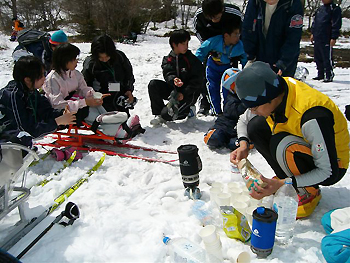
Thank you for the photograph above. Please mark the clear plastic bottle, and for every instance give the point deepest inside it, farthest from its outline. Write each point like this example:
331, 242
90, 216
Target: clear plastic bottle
285, 204
202, 212
183, 250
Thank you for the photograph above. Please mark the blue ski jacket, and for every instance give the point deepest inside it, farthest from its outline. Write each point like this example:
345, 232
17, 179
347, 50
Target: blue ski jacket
220, 52
327, 23
280, 46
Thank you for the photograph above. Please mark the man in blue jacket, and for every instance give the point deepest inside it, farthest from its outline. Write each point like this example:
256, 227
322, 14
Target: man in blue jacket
325, 31
271, 33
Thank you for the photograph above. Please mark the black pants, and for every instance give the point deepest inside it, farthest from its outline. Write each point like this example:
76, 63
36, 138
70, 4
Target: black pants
284, 160
159, 90
323, 59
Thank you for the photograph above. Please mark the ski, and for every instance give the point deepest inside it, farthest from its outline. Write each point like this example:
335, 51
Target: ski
47, 154
69, 191
8, 243
67, 163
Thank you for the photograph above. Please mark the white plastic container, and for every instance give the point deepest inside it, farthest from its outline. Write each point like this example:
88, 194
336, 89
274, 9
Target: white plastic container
285, 204
183, 250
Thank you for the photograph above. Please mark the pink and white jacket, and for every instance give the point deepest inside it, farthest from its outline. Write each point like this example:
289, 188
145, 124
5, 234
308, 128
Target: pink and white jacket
57, 87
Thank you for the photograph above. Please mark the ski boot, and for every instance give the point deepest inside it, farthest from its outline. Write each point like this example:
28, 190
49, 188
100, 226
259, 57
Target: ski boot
65, 153
193, 193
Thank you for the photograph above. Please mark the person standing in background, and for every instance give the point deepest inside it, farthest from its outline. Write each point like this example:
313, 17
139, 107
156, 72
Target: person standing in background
325, 31
208, 22
271, 33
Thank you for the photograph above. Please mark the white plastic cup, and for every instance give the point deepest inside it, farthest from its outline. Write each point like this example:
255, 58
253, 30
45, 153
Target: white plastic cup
233, 185
267, 201
218, 185
97, 95
215, 249
224, 199
237, 256
249, 214
240, 206
213, 192
242, 198
235, 191
254, 202
208, 234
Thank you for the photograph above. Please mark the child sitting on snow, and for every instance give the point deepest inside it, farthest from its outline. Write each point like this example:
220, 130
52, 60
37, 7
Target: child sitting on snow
108, 70
183, 74
24, 112
224, 132
64, 85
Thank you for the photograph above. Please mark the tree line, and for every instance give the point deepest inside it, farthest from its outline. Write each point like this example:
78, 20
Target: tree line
115, 17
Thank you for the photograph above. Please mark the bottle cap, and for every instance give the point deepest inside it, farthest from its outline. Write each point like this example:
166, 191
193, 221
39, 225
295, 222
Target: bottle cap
260, 210
288, 181
166, 240
264, 214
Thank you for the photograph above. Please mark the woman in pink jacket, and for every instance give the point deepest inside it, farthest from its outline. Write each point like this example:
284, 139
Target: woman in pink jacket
65, 85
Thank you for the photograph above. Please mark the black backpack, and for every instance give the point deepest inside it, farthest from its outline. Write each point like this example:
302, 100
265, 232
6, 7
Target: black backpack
34, 41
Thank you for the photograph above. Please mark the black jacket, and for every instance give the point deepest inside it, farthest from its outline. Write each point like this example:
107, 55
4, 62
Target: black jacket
205, 28
327, 23
281, 44
98, 74
24, 111
186, 67
227, 122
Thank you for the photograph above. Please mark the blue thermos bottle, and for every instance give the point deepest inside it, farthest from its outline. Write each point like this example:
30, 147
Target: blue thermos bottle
263, 231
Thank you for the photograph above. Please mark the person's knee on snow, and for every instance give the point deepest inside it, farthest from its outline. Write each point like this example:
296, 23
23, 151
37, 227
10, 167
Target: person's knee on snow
216, 138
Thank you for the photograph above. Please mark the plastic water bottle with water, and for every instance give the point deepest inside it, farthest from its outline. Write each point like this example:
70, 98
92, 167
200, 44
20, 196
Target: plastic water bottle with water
183, 250
285, 204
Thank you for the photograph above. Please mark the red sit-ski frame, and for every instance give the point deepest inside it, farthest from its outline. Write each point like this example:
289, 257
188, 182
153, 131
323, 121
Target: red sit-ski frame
75, 137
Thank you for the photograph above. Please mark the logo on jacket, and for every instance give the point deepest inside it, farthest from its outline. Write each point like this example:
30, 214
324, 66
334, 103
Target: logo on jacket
296, 21
319, 147
182, 70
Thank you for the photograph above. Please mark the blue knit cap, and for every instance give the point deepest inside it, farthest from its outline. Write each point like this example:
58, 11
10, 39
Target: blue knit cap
258, 84
59, 37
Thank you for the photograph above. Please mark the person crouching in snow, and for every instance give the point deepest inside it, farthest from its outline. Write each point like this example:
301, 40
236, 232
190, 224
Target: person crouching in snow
183, 74
108, 70
24, 112
224, 133
300, 132
65, 85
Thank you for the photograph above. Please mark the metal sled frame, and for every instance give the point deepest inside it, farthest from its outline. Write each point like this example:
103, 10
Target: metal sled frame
75, 136
12, 166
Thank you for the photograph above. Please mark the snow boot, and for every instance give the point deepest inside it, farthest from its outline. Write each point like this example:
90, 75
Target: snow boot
193, 193
309, 197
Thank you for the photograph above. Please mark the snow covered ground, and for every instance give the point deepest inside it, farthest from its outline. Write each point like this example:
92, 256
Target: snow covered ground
128, 205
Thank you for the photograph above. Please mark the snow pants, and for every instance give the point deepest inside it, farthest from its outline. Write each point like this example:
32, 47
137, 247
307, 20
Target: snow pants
218, 138
159, 90
323, 53
213, 74
287, 154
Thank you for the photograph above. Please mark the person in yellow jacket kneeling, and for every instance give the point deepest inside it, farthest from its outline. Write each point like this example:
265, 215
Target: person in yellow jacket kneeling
298, 130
